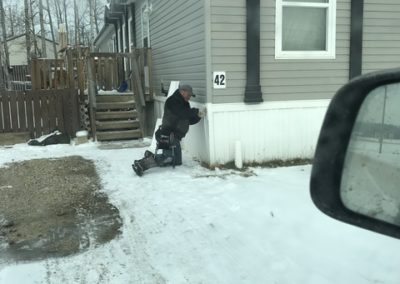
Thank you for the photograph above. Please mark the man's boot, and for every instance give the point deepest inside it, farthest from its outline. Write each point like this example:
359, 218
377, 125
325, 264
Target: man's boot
139, 166
148, 154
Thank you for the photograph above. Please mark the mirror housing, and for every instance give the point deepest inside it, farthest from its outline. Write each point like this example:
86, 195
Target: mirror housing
332, 145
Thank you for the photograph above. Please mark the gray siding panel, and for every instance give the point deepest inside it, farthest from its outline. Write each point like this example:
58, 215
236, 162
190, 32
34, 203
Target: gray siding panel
381, 37
228, 48
280, 79
284, 79
177, 34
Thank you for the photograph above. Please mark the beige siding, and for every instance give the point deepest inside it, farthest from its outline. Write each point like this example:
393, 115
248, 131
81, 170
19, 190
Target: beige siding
177, 38
284, 79
381, 37
17, 50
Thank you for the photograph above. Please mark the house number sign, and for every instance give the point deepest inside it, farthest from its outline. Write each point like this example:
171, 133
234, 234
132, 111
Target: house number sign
219, 79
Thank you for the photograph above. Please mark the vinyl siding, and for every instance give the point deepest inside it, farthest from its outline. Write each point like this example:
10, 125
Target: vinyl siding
280, 79
105, 42
381, 35
177, 38
228, 48
17, 50
285, 79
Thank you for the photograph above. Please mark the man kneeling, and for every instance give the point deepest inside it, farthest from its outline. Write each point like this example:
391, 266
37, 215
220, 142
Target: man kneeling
178, 115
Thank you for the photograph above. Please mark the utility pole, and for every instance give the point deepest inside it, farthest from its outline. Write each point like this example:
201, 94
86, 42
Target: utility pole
76, 19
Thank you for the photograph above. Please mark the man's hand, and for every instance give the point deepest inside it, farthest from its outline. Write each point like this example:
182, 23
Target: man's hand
202, 113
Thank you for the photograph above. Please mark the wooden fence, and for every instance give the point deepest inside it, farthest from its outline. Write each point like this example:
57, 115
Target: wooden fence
49, 74
17, 78
110, 69
39, 112
62, 90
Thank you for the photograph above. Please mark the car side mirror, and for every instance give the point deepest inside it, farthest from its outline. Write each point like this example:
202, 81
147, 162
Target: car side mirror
356, 170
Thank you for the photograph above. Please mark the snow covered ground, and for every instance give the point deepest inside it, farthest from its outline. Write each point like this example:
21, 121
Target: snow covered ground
193, 225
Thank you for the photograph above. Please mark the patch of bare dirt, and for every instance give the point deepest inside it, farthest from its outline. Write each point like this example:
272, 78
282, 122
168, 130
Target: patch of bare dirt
53, 207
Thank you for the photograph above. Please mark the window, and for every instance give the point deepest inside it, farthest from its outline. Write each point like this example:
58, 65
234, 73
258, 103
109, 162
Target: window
305, 29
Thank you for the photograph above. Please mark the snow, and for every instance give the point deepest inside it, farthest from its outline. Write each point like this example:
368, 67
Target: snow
193, 225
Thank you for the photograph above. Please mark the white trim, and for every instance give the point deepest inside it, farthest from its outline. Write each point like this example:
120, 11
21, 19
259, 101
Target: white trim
130, 41
273, 105
234, 107
267, 131
123, 37
330, 53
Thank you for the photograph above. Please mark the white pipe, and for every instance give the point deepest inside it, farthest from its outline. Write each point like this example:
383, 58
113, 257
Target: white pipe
238, 155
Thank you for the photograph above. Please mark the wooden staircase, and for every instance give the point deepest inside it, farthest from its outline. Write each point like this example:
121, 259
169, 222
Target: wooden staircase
116, 117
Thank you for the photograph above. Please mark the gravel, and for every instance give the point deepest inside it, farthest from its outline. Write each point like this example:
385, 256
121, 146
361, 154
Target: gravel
53, 207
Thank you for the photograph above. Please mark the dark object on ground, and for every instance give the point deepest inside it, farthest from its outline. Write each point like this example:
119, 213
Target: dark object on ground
56, 137
123, 87
171, 153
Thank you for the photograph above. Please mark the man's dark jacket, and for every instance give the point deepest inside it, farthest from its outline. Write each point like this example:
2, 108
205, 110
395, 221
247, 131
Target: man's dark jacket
178, 115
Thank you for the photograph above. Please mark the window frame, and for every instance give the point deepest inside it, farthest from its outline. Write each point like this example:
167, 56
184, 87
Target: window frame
329, 53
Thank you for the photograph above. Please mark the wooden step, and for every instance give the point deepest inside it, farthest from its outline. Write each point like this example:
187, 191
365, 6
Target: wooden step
126, 114
116, 105
117, 124
114, 98
118, 135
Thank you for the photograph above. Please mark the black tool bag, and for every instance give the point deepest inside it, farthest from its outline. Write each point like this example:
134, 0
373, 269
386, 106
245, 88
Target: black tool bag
165, 138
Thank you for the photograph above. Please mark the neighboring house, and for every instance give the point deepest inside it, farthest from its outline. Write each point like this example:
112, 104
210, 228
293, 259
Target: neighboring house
106, 39
17, 49
265, 69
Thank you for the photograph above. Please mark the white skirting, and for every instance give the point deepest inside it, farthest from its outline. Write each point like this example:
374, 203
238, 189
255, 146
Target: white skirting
268, 131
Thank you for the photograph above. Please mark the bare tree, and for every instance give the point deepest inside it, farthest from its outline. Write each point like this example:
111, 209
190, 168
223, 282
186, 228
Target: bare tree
3, 48
27, 32
58, 12
2, 77
4, 34
92, 31
42, 30
66, 19
82, 21
52, 31
76, 27
11, 21
96, 15
32, 18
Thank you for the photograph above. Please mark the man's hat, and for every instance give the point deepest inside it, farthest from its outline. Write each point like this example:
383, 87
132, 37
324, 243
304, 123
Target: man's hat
187, 88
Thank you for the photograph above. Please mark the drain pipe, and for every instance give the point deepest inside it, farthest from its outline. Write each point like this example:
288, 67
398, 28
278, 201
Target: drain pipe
356, 38
253, 88
238, 155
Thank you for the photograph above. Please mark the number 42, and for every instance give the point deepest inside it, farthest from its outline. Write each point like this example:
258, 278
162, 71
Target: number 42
219, 79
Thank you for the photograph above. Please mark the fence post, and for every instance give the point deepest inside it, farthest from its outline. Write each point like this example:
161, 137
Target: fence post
70, 111
150, 72
138, 92
92, 95
71, 83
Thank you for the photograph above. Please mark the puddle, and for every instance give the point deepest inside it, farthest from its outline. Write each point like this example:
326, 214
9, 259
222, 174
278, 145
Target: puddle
53, 208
